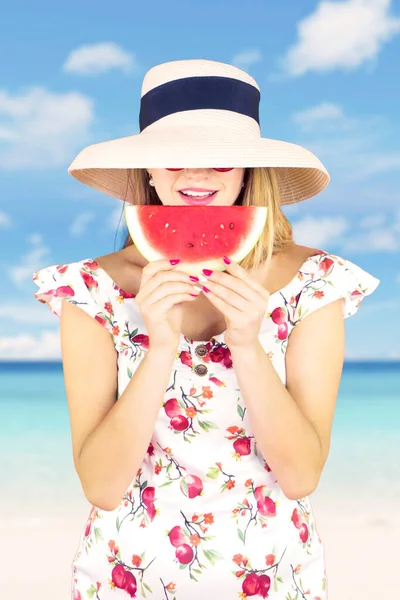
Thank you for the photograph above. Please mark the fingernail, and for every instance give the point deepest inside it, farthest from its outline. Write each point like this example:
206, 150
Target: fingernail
207, 272
226, 260
174, 261
202, 278
205, 289
193, 278
197, 288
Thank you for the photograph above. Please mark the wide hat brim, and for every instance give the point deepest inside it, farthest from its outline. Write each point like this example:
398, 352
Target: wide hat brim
105, 166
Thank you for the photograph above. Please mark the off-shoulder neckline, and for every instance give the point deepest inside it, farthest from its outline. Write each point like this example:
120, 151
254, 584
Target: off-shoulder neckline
100, 269
220, 336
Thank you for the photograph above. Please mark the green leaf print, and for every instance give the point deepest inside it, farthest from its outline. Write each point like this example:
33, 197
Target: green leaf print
207, 425
129, 373
213, 473
118, 524
212, 556
240, 411
166, 483
98, 534
209, 557
91, 591
241, 535
148, 588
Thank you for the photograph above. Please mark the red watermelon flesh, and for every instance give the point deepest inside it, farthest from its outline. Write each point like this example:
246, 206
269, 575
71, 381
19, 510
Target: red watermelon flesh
198, 235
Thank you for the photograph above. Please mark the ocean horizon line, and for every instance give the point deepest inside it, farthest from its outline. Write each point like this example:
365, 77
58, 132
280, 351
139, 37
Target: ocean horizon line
56, 362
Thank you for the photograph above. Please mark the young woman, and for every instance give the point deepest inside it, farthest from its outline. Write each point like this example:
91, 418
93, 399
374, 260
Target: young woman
201, 410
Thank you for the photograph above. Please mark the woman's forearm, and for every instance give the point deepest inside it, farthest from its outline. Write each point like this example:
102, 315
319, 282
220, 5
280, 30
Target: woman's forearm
113, 452
285, 437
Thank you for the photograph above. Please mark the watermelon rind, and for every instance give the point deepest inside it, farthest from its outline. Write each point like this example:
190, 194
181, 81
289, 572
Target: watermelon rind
194, 267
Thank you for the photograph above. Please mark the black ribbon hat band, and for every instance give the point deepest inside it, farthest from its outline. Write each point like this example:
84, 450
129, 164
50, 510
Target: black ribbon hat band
193, 93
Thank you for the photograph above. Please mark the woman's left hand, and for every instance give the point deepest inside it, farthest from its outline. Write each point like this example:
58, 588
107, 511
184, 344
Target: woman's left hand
241, 300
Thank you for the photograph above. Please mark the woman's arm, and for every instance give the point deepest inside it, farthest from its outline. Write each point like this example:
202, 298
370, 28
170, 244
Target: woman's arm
109, 437
292, 424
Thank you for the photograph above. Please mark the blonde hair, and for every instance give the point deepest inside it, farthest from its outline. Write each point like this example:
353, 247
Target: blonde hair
261, 188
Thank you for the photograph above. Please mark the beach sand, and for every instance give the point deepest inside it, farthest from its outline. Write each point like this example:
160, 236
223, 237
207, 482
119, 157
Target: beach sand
361, 548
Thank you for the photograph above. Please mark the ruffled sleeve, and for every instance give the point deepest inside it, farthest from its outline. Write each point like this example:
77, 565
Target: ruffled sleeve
330, 278
74, 283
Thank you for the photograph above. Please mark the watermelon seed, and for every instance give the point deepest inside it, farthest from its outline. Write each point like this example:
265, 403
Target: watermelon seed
231, 225
222, 226
190, 245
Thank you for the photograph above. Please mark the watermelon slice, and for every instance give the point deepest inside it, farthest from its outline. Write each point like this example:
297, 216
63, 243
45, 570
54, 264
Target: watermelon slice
198, 235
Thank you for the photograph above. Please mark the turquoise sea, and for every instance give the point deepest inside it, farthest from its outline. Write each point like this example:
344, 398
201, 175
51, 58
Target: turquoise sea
36, 454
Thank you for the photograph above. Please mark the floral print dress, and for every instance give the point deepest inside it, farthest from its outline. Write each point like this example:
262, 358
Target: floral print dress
204, 516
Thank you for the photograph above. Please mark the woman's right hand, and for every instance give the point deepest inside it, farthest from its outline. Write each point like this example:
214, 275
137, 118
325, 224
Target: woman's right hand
163, 289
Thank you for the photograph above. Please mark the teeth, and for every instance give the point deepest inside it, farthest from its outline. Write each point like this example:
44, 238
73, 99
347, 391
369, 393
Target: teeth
197, 194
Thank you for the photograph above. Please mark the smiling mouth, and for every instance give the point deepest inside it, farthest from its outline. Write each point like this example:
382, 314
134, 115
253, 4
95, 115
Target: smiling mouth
200, 199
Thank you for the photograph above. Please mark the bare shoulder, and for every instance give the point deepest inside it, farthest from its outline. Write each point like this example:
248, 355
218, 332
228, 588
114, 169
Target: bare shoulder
295, 254
124, 267
286, 264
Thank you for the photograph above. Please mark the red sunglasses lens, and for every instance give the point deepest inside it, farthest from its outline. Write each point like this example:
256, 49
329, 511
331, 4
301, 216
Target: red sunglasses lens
215, 169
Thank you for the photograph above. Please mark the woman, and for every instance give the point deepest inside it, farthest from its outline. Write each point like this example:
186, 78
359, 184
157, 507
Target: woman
199, 474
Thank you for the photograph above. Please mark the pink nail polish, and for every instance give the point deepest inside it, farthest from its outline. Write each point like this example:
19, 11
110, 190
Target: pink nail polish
193, 278
226, 260
207, 272
174, 261
205, 289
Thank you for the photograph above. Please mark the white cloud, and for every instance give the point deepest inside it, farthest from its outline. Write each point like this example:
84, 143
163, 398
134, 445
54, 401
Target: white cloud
5, 220
340, 35
325, 117
372, 221
351, 146
371, 236
80, 223
26, 346
319, 231
380, 239
45, 129
27, 313
95, 59
38, 255
246, 59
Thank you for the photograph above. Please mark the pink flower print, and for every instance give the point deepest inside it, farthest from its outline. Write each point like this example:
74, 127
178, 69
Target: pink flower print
142, 340
325, 267
176, 536
148, 500
221, 354
89, 280
265, 505
251, 584
172, 408
62, 269
186, 358
278, 315
64, 291
184, 554
191, 486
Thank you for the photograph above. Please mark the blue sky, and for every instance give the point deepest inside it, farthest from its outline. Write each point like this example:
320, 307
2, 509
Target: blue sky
329, 78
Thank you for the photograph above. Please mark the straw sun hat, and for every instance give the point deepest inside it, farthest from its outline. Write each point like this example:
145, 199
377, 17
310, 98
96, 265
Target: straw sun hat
199, 113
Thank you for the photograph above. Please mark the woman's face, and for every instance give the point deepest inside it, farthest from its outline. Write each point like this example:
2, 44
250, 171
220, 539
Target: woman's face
169, 186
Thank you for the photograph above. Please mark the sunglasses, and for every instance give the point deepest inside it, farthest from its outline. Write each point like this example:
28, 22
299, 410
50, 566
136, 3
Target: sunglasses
214, 169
